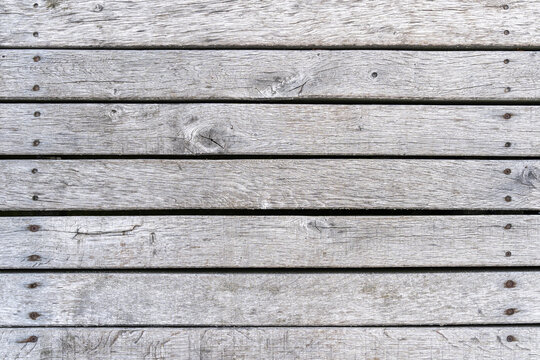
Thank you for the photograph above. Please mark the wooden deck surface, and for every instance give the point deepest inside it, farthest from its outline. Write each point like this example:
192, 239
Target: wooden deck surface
270, 180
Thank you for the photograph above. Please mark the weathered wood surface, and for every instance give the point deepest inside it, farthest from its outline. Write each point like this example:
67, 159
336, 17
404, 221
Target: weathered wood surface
207, 23
268, 241
269, 184
300, 299
187, 129
259, 75
511, 343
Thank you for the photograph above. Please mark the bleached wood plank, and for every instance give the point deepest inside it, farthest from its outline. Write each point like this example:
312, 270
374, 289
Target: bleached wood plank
269, 184
206, 23
272, 343
334, 298
186, 129
259, 75
268, 241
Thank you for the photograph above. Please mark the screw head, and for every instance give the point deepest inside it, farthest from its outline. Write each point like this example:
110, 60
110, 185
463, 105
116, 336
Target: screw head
37, 58
34, 258
507, 116
32, 339
35, 88
33, 228
35, 34
506, 32
505, 7
34, 315
507, 89
508, 254
510, 311
374, 74
507, 198
35, 198
510, 338
509, 284
506, 61
508, 226
34, 171
507, 171
36, 5
36, 142
33, 285
37, 114
507, 144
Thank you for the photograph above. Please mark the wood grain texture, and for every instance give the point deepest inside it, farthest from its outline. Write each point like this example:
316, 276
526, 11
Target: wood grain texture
186, 129
486, 343
269, 184
268, 241
270, 75
207, 23
257, 299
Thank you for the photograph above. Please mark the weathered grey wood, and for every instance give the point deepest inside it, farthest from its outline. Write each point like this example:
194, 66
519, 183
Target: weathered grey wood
268, 241
272, 343
269, 129
208, 23
335, 298
269, 184
256, 75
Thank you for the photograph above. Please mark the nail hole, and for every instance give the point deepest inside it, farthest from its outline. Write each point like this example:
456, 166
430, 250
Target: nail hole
35, 88
37, 58
510, 311
508, 254
374, 74
34, 315
37, 114
506, 32
36, 142
506, 61
34, 258
507, 89
33, 228
507, 116
510, 338
507, 144
35, 198
509, 284
36, 34
507, 198
33, 285
508, 226
34, 171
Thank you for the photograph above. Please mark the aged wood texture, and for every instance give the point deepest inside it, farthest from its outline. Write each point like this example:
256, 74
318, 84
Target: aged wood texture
486, 343
260, 75
186, 129
268, 241
207, 23
269, 184
332, 298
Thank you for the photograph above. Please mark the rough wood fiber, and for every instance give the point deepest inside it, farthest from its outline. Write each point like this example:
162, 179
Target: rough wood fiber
486, 343
207, 23
269, 184
260, 75
301, 299
268, 241
186, 129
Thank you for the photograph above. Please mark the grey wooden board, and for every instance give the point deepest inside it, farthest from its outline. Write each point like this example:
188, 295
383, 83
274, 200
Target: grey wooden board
486, 343
207, 23
269, 184
268, 241
259, 75
262, 298
186, 129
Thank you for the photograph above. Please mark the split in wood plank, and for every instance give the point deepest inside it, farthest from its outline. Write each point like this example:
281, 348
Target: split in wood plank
487, 343
258, 299
187, 129
248, 23
268, 241
186, 75
269, 184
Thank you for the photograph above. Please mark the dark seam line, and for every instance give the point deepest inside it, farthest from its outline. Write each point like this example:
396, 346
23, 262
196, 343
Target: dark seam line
217, 327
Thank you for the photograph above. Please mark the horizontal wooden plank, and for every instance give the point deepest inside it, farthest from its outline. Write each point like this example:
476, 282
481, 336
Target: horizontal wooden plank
259, 74
185, 129
334, 298
268, 241
208, 23
272, 343
269, 184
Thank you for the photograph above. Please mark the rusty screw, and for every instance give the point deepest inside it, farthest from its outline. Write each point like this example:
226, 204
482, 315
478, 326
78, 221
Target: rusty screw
33, 228
35, 142
30, 339
37, 58
510, 338
508, 254
507, 116
34, 315
35, 88
34, 258
506, 61
508, 226
510, 284
507, 198
33, 285
510, 311
507, 171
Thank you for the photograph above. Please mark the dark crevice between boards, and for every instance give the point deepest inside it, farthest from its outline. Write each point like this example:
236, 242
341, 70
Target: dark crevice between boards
266, 212
217, 327
277, 270
296, 100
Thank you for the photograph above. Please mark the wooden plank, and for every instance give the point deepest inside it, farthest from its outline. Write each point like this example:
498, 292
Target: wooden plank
185, 129
268, 241
259, 299
207, 23
272, 343
260, 74
269, 184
